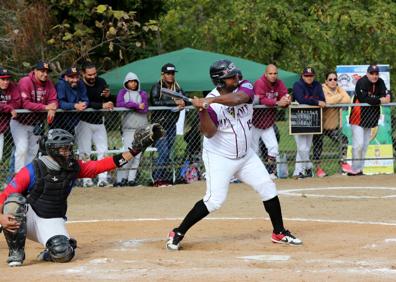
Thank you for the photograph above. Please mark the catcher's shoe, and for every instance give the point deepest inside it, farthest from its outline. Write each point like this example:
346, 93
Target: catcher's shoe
16, 258
44, 256
285, 237
174, 239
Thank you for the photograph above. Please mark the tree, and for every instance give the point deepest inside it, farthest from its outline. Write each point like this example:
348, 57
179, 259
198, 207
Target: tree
66, 32
291, 34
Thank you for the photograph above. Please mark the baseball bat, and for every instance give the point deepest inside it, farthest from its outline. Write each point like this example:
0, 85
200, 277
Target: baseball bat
176, 95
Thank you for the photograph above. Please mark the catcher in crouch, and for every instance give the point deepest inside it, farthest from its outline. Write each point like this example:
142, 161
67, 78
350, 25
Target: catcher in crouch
34, 203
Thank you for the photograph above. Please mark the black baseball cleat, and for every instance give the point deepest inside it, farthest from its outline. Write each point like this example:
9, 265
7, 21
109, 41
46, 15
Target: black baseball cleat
174, 238
355, 173
16, 258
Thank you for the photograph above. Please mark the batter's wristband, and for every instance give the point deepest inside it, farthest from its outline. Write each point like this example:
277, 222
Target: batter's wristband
134, 152
119, 160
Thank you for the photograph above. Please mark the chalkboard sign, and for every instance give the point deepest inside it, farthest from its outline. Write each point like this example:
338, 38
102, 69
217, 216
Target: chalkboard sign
305, 120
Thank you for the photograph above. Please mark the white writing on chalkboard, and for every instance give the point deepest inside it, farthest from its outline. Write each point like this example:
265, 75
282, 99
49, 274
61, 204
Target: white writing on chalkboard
305, 118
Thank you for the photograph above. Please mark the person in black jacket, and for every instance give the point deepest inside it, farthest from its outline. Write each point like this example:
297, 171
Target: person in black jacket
369, 89
91, 127
162, 175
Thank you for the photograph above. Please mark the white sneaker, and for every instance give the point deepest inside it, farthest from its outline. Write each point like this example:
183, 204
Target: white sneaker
87, 182
273, 176
285, 237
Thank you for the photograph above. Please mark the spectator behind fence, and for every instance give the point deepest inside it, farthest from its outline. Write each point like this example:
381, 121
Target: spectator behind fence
72, 95
334, 94
38, 94
369, 89
91, 127
271, 92
307, 91
9, 101
131, 97
162, 174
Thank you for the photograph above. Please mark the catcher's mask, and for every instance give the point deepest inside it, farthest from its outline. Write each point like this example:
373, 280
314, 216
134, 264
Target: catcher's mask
59, 145
221, 70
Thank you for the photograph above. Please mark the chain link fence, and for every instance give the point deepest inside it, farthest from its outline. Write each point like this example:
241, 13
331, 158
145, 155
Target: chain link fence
173, 159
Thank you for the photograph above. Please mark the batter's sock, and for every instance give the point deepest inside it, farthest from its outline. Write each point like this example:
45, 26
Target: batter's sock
198, 212
273, 208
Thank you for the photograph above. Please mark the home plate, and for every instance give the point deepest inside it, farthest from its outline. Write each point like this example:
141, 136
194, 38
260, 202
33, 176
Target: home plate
267, 258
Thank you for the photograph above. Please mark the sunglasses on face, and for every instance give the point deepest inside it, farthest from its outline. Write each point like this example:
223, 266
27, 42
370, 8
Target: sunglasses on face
331, 79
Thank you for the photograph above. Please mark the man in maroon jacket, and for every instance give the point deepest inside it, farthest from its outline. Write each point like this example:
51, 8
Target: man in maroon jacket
271, 92
9, 101
38, 94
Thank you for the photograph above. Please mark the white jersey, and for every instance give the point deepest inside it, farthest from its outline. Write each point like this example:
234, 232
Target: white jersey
233, 137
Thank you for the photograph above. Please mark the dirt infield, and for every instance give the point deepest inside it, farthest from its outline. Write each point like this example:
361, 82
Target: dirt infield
347, 223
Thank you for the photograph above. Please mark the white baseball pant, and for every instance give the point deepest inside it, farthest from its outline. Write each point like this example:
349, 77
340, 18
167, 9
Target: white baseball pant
303, 143
220, 170
88, 133
26, 146
41, 229
360, 142
269, 138
129, 170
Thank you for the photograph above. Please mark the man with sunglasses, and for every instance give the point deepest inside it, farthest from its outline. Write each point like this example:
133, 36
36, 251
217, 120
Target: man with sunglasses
369, 89
271, 92
306, 91
163, 176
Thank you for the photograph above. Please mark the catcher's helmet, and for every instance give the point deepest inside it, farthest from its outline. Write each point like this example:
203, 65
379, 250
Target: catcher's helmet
58, 138
220, 70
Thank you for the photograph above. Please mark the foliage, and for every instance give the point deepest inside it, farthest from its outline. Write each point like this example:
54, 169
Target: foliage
290, 33
66, 32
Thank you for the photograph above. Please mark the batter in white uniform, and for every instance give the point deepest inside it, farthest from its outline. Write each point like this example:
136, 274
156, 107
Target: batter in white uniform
226, 121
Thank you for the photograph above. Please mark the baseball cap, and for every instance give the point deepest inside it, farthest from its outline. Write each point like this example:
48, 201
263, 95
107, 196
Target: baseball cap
373, 68
308, 71
42, 66
4, 73
168, 68
72, 71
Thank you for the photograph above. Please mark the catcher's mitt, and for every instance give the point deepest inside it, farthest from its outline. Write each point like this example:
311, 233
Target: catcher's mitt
147, 136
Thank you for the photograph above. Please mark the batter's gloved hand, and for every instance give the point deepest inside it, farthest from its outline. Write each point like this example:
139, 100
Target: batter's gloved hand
146, 136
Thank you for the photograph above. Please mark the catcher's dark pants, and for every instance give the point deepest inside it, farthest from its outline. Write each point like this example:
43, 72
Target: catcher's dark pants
336, 136
163, 170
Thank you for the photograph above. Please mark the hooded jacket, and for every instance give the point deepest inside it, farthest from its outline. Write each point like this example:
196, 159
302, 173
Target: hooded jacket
9, 101
308, 94
67, 97
268, 94
131, 99
35, 96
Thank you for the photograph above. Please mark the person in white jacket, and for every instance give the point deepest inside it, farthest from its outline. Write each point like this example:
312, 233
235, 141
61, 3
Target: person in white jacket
131, 97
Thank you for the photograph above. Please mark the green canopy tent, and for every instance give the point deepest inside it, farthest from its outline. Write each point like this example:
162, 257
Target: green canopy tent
193, 70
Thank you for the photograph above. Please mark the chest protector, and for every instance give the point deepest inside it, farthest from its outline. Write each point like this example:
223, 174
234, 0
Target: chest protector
48, 196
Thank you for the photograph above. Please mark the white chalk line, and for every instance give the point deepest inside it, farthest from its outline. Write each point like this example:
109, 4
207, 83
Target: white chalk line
286, 192
299, 192
233, 219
